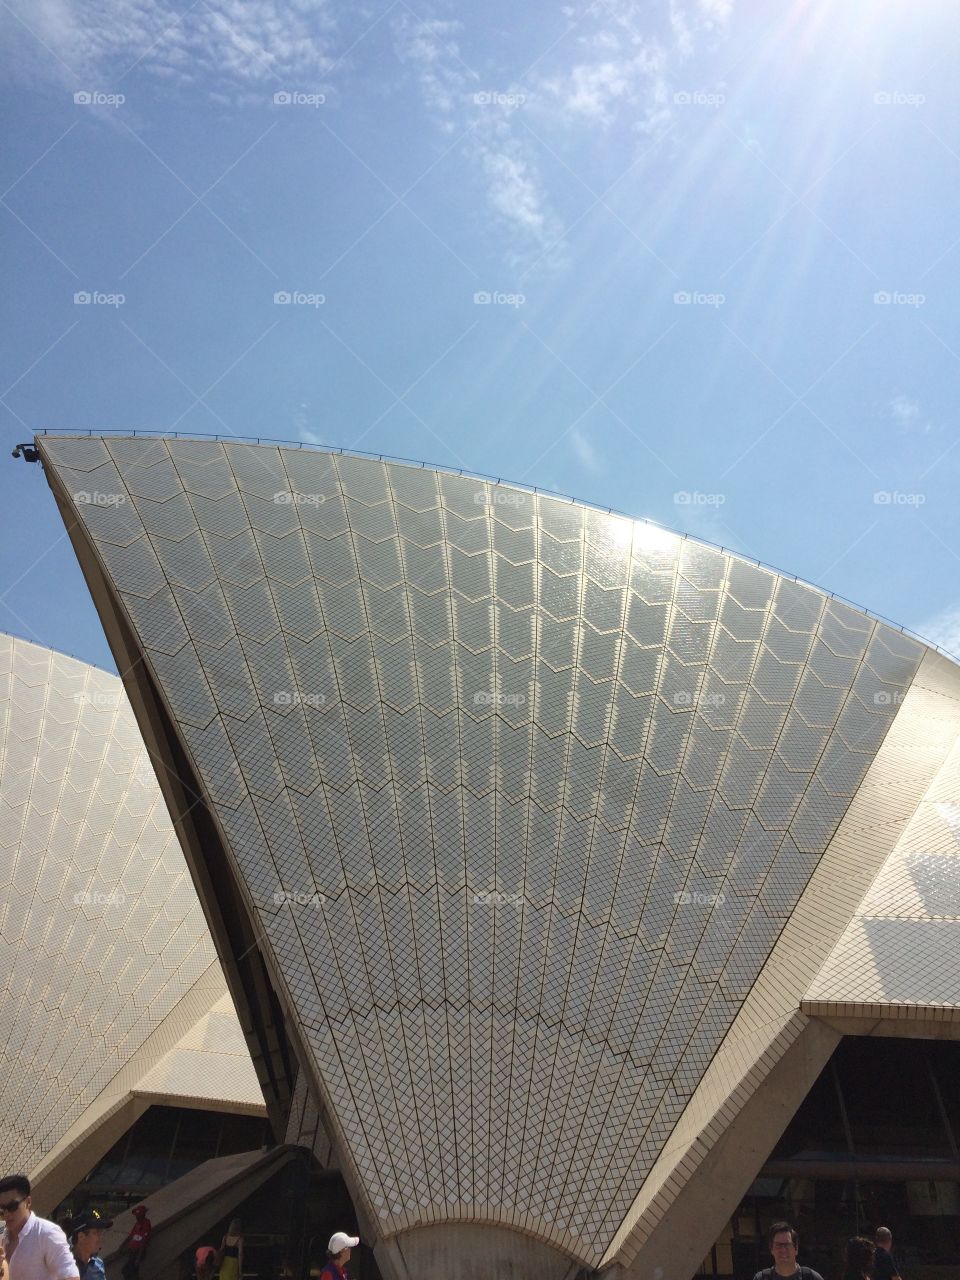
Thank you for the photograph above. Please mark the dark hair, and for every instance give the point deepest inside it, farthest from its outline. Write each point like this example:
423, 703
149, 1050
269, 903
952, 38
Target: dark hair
778, 1228
15, 1182
860, 1255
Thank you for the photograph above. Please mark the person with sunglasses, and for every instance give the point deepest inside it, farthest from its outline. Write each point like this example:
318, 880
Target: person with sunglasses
32, 1248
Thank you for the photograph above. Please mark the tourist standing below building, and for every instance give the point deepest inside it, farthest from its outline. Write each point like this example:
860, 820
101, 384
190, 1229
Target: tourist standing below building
339, 1255
138, 1238
858, 1264
86, 1240
31, 1248
884, 1264
784, 1243
231, 1252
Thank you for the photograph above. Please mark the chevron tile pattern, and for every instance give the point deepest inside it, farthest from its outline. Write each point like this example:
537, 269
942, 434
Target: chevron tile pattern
102, 938
520, 794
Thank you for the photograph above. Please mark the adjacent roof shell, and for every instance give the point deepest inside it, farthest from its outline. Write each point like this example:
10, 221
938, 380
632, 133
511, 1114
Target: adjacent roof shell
111, 990
521, 800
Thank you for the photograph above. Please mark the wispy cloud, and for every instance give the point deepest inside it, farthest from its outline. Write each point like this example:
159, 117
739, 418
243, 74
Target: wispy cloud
501, 157
943, 629
585, 450
216, 43
908, 414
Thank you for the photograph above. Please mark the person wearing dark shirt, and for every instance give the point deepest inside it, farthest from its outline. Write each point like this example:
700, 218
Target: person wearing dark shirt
858, 1263
884, 1265
784, 1244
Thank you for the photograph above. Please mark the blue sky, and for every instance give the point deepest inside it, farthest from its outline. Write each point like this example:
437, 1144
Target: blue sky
718, 239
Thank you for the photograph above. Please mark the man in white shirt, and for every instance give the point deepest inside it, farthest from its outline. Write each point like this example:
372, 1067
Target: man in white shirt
33, 1248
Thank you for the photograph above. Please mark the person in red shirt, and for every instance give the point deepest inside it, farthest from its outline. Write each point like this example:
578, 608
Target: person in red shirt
136, 1242
339, 1251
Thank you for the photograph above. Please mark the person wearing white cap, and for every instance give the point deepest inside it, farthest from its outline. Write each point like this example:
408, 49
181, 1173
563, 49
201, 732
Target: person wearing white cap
339, 1251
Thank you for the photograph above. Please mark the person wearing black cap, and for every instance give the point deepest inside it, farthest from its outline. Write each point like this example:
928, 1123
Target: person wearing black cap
86, 1240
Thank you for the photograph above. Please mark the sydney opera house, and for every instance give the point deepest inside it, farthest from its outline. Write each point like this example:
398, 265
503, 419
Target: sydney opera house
586, 896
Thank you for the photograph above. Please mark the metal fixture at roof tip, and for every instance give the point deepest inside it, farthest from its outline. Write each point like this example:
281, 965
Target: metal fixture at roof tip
28, 451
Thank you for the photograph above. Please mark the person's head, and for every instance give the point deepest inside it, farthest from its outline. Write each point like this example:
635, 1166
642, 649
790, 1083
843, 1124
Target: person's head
340, 1246
234, 1227
859, 1259
15, 1201
86, 1233
883, 1238
783, 1241
140, 1212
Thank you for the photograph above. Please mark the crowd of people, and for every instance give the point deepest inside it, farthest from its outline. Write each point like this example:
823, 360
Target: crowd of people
863, 1259
35, 1248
